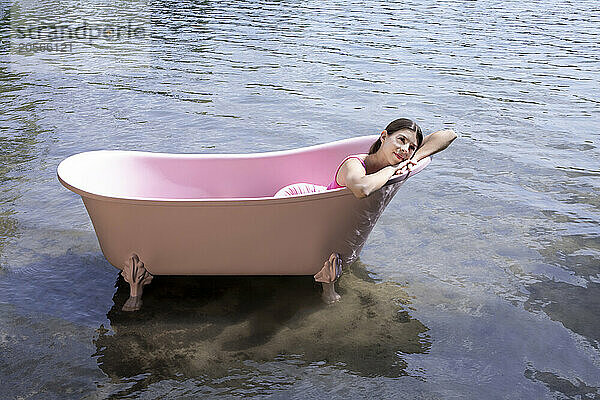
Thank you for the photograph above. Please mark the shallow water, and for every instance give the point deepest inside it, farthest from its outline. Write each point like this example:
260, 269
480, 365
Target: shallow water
480, 280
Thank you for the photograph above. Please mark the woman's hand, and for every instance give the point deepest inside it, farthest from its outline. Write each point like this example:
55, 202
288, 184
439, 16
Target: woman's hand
404, 166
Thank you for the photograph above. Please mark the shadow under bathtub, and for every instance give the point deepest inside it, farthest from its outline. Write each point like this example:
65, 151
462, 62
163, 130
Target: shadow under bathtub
191, 327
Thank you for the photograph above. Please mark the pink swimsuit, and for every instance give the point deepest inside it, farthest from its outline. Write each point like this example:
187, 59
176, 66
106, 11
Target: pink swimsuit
334, 184
297, 189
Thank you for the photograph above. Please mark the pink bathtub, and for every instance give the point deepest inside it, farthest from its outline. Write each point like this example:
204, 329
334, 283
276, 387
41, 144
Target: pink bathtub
215, 214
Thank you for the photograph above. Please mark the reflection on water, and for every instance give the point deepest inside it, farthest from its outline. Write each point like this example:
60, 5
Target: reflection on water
577, 254
19, 146
208, 326
562, 387
571, 295
8, 228
576, 307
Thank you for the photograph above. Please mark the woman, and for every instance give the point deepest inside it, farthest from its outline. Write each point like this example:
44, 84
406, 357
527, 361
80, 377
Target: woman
397, 150
399, 147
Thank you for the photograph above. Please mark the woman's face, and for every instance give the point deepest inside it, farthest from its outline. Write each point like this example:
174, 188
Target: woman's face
398, 146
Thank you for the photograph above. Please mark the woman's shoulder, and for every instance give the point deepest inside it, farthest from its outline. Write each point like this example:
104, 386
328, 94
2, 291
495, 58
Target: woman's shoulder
360, 156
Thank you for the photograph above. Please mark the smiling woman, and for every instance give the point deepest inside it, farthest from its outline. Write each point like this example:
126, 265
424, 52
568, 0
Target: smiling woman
397, 150
399, 147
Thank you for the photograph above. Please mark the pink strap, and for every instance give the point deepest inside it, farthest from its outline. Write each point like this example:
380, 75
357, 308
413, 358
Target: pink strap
342, 163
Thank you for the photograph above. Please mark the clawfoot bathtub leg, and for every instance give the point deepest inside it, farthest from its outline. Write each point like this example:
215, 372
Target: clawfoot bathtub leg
136, 275
331, 271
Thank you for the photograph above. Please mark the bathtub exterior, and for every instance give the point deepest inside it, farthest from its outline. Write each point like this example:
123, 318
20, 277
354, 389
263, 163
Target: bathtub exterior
179, 234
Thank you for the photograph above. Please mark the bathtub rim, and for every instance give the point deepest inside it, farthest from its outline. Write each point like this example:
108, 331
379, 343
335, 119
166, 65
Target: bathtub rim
231, 201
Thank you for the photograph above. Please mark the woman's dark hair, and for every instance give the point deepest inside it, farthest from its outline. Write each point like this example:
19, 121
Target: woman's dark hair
395, 126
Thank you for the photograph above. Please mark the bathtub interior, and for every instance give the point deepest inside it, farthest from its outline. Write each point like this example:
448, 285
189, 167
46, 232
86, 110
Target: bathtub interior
144, 175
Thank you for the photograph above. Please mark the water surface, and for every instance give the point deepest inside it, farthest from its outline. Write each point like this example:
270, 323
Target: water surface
480, 280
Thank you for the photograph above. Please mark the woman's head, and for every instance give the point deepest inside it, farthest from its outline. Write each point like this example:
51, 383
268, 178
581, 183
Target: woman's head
399, 141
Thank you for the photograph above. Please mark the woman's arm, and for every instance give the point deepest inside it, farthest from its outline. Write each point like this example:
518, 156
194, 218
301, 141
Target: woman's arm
353, 176
434, 143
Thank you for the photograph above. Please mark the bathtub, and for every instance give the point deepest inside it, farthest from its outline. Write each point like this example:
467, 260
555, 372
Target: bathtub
215, 214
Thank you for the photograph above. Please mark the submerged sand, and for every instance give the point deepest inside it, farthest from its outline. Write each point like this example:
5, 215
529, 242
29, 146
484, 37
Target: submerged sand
207, 326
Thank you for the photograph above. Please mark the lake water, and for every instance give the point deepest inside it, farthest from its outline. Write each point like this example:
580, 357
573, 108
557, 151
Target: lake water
480, 280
